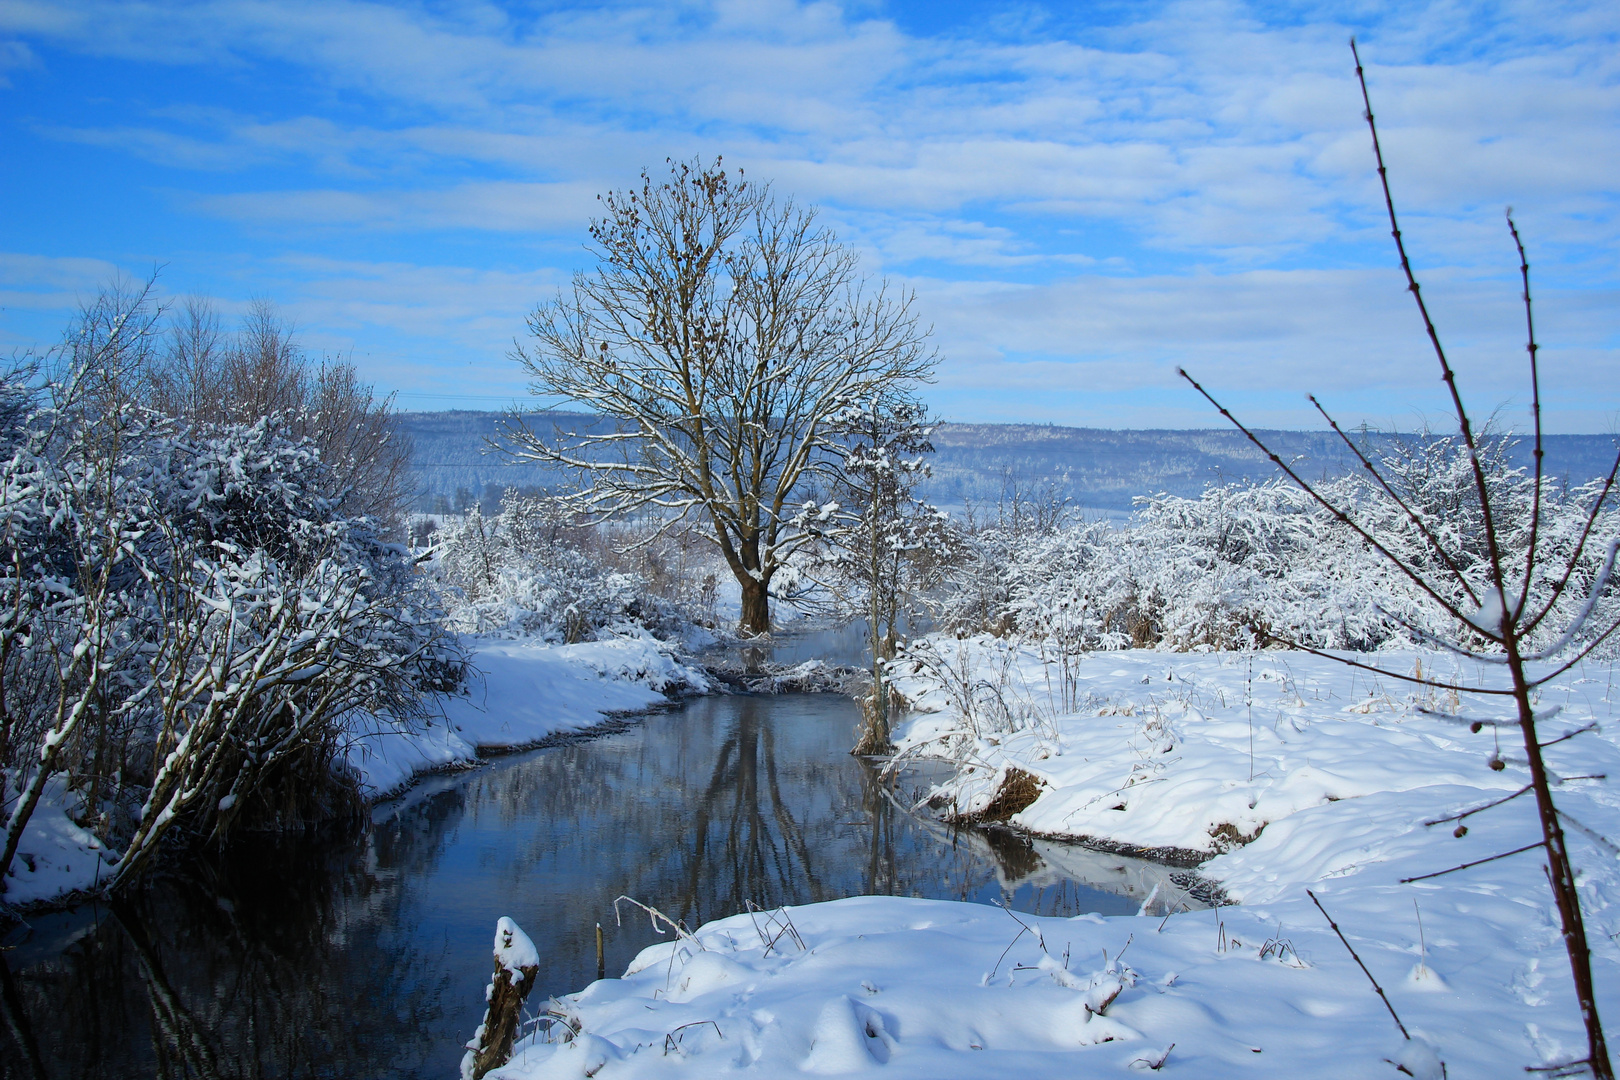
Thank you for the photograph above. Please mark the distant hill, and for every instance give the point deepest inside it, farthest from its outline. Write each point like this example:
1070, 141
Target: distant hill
1096, 468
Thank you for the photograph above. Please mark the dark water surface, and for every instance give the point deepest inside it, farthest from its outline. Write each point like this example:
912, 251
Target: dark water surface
367, 957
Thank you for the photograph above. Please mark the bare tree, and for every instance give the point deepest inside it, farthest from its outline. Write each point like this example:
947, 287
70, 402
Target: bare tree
189, 381
720, 331
1513, 609
206, 377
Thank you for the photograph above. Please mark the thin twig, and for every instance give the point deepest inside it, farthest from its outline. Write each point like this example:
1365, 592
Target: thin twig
1465, 426
1372, 470
1420, 681
1338, 512
1476, 862
1382, 996
1570, 735
1477, 809
1022, 930
1562, 1068
1535, 411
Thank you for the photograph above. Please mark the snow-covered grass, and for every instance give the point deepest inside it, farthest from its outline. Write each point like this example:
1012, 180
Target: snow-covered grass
1344, 774
519, 694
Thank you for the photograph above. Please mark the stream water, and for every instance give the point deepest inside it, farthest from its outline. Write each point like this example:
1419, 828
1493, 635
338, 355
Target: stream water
367, 957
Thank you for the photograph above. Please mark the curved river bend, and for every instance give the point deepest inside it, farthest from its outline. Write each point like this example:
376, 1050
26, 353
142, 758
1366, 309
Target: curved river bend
368, 957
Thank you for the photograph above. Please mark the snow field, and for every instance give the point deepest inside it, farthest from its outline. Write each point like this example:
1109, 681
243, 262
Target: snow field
1345, 773
902, 987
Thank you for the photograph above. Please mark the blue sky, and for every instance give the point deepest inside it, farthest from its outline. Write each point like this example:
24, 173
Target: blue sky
1082, 196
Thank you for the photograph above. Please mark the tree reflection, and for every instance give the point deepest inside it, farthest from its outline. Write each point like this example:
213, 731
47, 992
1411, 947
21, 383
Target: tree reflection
24, 1045
257, 965
342, 958
745, 844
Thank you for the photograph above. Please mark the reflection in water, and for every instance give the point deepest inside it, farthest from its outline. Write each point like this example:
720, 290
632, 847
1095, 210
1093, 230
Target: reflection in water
350, 958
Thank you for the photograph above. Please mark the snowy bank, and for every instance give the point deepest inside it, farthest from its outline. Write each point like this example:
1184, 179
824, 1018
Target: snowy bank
1155, 753
1201, 752
519, 694
902, 987
56, 858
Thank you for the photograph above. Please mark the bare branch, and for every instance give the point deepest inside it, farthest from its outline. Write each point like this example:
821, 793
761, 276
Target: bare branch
1446, 373
1343, 517
1476, 862
1535, 411
1423, 529
1478, 809
1381, 995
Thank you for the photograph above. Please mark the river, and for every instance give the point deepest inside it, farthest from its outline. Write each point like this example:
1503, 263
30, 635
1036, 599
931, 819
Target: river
366, 956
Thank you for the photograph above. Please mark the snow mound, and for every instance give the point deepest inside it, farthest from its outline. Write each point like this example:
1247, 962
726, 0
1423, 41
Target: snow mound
55, 857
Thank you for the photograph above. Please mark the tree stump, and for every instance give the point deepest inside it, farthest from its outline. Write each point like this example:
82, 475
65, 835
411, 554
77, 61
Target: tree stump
516, 964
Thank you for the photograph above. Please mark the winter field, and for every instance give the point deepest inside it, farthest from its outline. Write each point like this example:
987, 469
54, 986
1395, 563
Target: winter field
1335, 796
218, 626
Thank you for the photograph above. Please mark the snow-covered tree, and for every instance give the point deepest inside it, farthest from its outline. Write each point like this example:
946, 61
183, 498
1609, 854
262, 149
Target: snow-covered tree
880, 546
189, 622
721, 331
534, 570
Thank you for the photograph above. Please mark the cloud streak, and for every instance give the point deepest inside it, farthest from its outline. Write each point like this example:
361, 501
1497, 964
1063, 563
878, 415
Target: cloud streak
1077, 204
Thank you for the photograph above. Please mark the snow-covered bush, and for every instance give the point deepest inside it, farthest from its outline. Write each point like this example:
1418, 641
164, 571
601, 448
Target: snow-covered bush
533, 571
986, 554
186, 622
1255, 564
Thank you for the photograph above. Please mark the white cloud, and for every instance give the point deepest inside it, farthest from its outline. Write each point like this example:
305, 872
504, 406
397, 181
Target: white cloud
1205, 161
1352, 337
507, 206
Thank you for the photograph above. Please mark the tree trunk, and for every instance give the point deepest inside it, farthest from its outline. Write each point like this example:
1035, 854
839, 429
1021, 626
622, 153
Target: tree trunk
875, 731
1560, 875
756, 606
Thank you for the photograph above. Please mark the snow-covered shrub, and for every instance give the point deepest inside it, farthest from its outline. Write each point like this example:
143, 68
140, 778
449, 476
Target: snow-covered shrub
186, 623
1252, 564
204, 377
532, 571
985, 555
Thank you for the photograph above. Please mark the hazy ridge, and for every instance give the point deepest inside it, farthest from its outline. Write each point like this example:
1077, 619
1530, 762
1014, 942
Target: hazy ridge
1097, 468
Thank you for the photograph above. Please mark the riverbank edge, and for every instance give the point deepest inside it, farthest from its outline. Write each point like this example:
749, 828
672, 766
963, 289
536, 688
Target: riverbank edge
695, 675
613, 722
454, 754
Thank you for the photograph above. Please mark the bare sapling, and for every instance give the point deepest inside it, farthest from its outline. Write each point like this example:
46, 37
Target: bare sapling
877, 544
1517, 608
